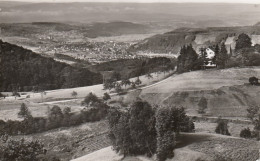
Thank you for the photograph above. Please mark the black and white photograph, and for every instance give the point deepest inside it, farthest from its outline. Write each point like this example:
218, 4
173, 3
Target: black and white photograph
129, 80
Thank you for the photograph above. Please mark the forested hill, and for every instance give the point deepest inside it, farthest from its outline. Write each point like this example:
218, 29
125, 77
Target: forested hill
23, 70
198, 37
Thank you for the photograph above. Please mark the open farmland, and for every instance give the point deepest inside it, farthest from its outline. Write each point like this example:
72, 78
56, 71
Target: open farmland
227, 91
39, 104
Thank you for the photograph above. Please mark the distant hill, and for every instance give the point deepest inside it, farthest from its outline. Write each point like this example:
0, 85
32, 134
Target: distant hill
24, 70
257, 24
115, 29
174, 40
172, 14
129, 68
94, 30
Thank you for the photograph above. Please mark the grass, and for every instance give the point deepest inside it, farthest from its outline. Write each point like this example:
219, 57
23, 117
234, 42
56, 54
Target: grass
9, 107
227, 148
224, 90
194, 147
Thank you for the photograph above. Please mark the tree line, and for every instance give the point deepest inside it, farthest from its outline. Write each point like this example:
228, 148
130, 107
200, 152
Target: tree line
56, 117
143, 129
244, 54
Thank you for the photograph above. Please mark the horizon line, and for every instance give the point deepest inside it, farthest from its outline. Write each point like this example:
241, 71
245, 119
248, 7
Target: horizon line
138, 1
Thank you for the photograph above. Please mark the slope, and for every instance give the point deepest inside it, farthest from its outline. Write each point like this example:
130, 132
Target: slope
226, 91
23, 70
174, 40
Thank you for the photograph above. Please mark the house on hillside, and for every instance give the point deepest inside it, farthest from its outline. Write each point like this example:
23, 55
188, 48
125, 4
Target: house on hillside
210, 54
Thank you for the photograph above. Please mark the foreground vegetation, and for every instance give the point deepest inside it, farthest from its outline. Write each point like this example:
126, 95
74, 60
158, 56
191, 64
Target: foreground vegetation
145, 130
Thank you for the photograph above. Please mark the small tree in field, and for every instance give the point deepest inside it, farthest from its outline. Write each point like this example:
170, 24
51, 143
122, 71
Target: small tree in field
106, 97
202, 105
90, 99
125, 82
222, 127
243, 41
133, 85
118, 87
74, 94
138, 81
246, 133
253, 81
24, 111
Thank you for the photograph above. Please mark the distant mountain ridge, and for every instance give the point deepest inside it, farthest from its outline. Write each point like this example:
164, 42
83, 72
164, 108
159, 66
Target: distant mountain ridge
206, 14
171, 42
92, 30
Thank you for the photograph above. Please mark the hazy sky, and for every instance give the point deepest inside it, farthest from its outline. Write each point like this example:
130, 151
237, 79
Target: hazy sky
148, 1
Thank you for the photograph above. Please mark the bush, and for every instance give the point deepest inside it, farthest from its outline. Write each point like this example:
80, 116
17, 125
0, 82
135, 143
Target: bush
203, 104
141, 130
245, 133
24, 111
106, 96
20, 150
90, 99
253, 81
222, 127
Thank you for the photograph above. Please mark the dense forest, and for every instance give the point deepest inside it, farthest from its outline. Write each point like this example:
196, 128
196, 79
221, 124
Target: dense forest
23, 70
128, 68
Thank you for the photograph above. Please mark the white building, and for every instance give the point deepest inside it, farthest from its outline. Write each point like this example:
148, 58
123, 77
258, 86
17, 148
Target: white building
210, 56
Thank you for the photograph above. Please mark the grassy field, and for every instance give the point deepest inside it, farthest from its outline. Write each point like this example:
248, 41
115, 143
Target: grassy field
9, 107
205, 80
225, 91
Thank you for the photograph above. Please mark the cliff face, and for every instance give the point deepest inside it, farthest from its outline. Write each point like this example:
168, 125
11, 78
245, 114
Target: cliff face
171, 42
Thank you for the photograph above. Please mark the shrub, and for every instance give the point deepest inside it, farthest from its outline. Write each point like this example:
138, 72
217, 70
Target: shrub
20, 150
74, 94
90, 99
24, 111
203, 104
222, 127
243, 41
245, 133
253, 81
106, 96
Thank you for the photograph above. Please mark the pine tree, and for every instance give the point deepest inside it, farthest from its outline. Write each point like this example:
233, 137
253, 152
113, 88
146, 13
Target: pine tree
223, 56
186, 59
243, 41
24, 111
203, 55
216, 57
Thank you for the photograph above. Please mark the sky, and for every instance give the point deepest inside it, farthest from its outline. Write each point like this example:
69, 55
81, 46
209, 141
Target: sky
149, 1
